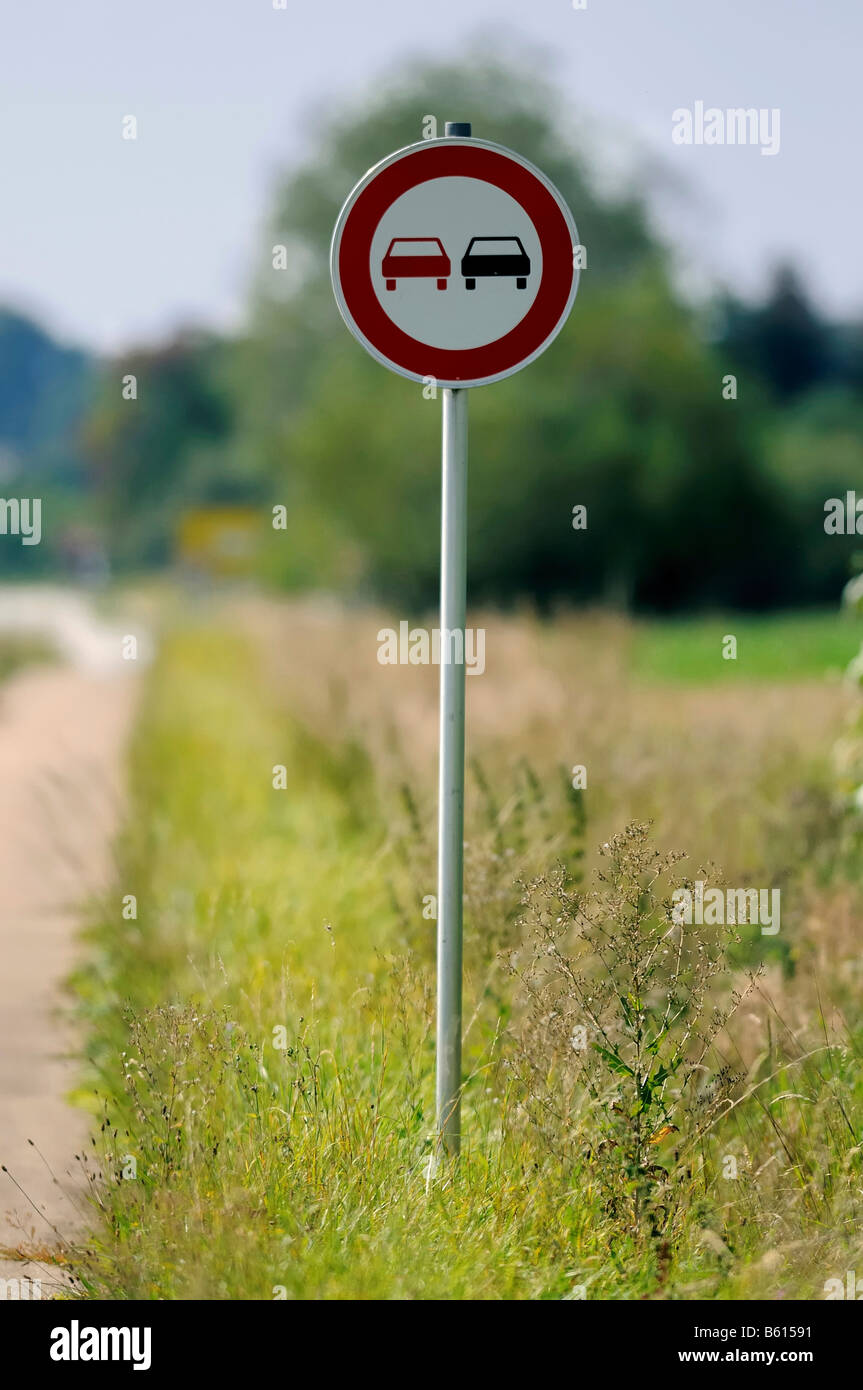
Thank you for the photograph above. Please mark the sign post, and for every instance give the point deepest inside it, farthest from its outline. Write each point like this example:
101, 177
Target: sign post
450, 888
454, 263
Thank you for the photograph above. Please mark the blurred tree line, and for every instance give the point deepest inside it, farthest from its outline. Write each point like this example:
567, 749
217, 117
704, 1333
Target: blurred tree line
45, 393
692, 499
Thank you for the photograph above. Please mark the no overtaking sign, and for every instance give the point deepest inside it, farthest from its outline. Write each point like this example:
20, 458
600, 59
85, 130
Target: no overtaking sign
454, 260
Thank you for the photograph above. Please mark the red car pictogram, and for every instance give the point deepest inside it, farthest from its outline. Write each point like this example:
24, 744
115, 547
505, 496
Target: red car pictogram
416, 258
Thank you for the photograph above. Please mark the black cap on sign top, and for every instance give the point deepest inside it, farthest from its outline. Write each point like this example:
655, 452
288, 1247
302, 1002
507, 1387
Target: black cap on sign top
462, 128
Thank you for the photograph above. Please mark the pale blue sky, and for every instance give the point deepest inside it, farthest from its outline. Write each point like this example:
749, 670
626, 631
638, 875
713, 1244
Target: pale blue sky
111, 242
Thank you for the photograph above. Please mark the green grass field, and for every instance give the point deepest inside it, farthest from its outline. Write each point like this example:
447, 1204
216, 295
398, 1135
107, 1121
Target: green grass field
261, 1030
779, 648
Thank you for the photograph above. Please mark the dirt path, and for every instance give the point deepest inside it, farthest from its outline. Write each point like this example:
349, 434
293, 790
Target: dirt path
62, 732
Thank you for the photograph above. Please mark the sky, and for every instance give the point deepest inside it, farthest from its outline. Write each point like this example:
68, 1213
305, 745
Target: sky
111, 242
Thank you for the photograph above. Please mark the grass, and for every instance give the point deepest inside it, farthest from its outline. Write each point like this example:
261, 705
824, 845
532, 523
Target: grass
795, 646
18, 652
261, 1031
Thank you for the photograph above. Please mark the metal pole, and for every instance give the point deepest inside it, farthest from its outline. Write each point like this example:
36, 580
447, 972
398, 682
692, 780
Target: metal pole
450, 872
453, 599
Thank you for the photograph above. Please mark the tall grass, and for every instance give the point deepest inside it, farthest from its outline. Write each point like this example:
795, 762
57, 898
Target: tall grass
261, 1034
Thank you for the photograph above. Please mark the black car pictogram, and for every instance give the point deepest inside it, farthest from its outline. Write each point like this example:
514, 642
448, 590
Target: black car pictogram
495, 255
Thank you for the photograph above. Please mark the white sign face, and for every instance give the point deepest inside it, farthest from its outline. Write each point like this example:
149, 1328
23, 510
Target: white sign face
458, 316
454, 259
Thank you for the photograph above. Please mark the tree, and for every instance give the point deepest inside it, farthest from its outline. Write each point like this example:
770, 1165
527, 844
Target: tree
153, 444
44, 392
624, 414
783, 341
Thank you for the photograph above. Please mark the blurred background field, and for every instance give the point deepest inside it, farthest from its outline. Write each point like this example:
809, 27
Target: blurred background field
779, 647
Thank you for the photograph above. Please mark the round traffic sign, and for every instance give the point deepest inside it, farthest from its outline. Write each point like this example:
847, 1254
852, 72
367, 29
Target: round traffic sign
455, 259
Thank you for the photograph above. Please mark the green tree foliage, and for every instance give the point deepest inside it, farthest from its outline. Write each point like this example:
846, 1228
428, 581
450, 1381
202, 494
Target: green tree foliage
44, 390
624, 415
157, 452
695, 497
783, 341
807, 375
814, 451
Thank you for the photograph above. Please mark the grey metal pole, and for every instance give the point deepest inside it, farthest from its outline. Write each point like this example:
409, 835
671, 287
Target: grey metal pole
450, 890
453, 599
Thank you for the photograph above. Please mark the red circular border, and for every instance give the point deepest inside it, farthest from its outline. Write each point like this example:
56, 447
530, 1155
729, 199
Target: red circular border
456, 364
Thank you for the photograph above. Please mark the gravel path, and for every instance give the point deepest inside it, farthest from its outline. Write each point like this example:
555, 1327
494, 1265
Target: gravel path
62, 733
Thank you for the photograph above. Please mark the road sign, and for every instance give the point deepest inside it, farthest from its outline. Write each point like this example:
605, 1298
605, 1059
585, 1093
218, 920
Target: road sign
455, 259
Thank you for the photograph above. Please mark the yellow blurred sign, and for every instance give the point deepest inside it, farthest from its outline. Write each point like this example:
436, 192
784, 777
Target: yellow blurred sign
219, 541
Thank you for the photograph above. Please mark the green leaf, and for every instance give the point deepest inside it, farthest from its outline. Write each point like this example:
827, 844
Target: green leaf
653, 1045
613, 1060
